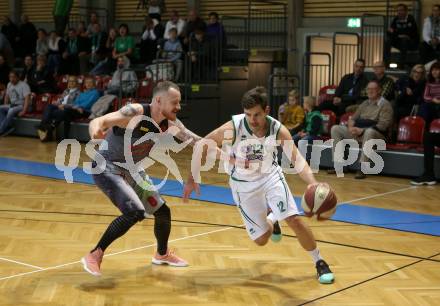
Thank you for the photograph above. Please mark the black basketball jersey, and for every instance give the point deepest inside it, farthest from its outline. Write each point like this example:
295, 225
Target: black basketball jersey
115, 139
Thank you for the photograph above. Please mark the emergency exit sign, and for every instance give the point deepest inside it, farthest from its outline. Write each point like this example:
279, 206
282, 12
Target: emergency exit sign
353, 23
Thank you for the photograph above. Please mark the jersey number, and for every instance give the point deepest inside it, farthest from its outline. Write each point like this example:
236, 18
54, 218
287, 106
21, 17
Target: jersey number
281, 206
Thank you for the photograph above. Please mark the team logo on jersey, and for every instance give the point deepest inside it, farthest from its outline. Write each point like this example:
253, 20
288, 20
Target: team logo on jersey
144, 129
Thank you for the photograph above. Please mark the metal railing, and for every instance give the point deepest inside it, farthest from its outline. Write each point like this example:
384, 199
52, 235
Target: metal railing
345, 52
316, 72
83, 14
279, 86
373, 38
265, 26
204, 59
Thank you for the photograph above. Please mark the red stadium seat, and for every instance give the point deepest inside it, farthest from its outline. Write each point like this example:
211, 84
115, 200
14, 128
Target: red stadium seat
145, 89
435, 126
410, 133
344, 118
99, 82
329, 120
62, 82
30, 113
326, 93
126, 101
106, 81
81, 82
42, 101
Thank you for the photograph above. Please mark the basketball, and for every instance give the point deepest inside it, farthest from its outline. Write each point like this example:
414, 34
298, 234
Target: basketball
320, 200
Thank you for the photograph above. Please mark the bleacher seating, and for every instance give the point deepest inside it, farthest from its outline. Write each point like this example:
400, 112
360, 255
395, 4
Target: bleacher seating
344, 118
410, 133
329, 120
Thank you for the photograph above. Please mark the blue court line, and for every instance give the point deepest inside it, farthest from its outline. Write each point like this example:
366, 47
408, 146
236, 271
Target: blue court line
346, 212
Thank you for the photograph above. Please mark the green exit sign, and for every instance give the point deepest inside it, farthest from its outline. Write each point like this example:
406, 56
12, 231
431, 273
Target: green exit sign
353, 23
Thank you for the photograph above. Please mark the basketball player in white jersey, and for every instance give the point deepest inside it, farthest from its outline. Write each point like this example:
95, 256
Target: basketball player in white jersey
254, 191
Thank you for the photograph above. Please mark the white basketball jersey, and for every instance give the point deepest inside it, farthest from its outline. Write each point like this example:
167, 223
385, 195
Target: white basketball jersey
260, 152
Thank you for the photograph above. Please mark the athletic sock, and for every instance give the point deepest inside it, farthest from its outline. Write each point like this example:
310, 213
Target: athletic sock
315, 255
271, 218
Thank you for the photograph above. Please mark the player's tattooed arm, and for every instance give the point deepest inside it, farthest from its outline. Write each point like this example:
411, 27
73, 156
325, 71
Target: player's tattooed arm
131, 110
99, 127
184, 134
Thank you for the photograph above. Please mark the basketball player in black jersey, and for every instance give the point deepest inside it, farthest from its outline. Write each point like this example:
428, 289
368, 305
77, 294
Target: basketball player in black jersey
135, 195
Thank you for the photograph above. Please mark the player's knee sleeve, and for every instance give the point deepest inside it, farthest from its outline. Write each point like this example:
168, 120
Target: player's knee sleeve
136, 215
163, 213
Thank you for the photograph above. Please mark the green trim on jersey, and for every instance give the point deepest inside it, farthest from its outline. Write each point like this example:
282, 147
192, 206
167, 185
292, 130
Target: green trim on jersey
235, 131
246, 125
268, 120
285, 188
237, 180
246, 216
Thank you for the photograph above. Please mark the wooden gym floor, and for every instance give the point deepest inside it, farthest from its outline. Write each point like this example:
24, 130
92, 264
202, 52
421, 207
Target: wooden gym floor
47, 225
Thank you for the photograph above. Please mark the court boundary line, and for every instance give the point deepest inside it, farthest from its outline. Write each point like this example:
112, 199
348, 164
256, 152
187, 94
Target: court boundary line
21, 263
113, 254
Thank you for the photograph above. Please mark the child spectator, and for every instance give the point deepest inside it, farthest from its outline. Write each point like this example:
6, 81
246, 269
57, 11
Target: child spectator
291, 114
313, 122
172, 49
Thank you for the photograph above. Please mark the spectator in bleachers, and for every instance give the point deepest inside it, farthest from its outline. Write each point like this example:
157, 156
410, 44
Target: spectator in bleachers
174, 22
349, 89
105, 66
386, 83
10, 30
430, 141
76, 53
57, 46
93, 21
291, 114
81, 29
152, 34
372, 120
431, 95
41, 79
42, 47
202, 54
194, 22
156, 8
2, 93
312, 124
215, 29
16, 102
403, 33
128, 78
98, 40
6, 49
430, 111
172, 52
124, 44
431, 36
409, 92
27, 37
27, 69
4, 71
61, 12
81, 107
53, 114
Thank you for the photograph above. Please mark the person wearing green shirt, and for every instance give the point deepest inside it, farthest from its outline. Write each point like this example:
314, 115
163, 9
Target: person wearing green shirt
312, 124
124, 44
61, 12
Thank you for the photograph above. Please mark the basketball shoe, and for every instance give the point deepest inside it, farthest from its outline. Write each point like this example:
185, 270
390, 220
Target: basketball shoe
92, 262
170, 258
